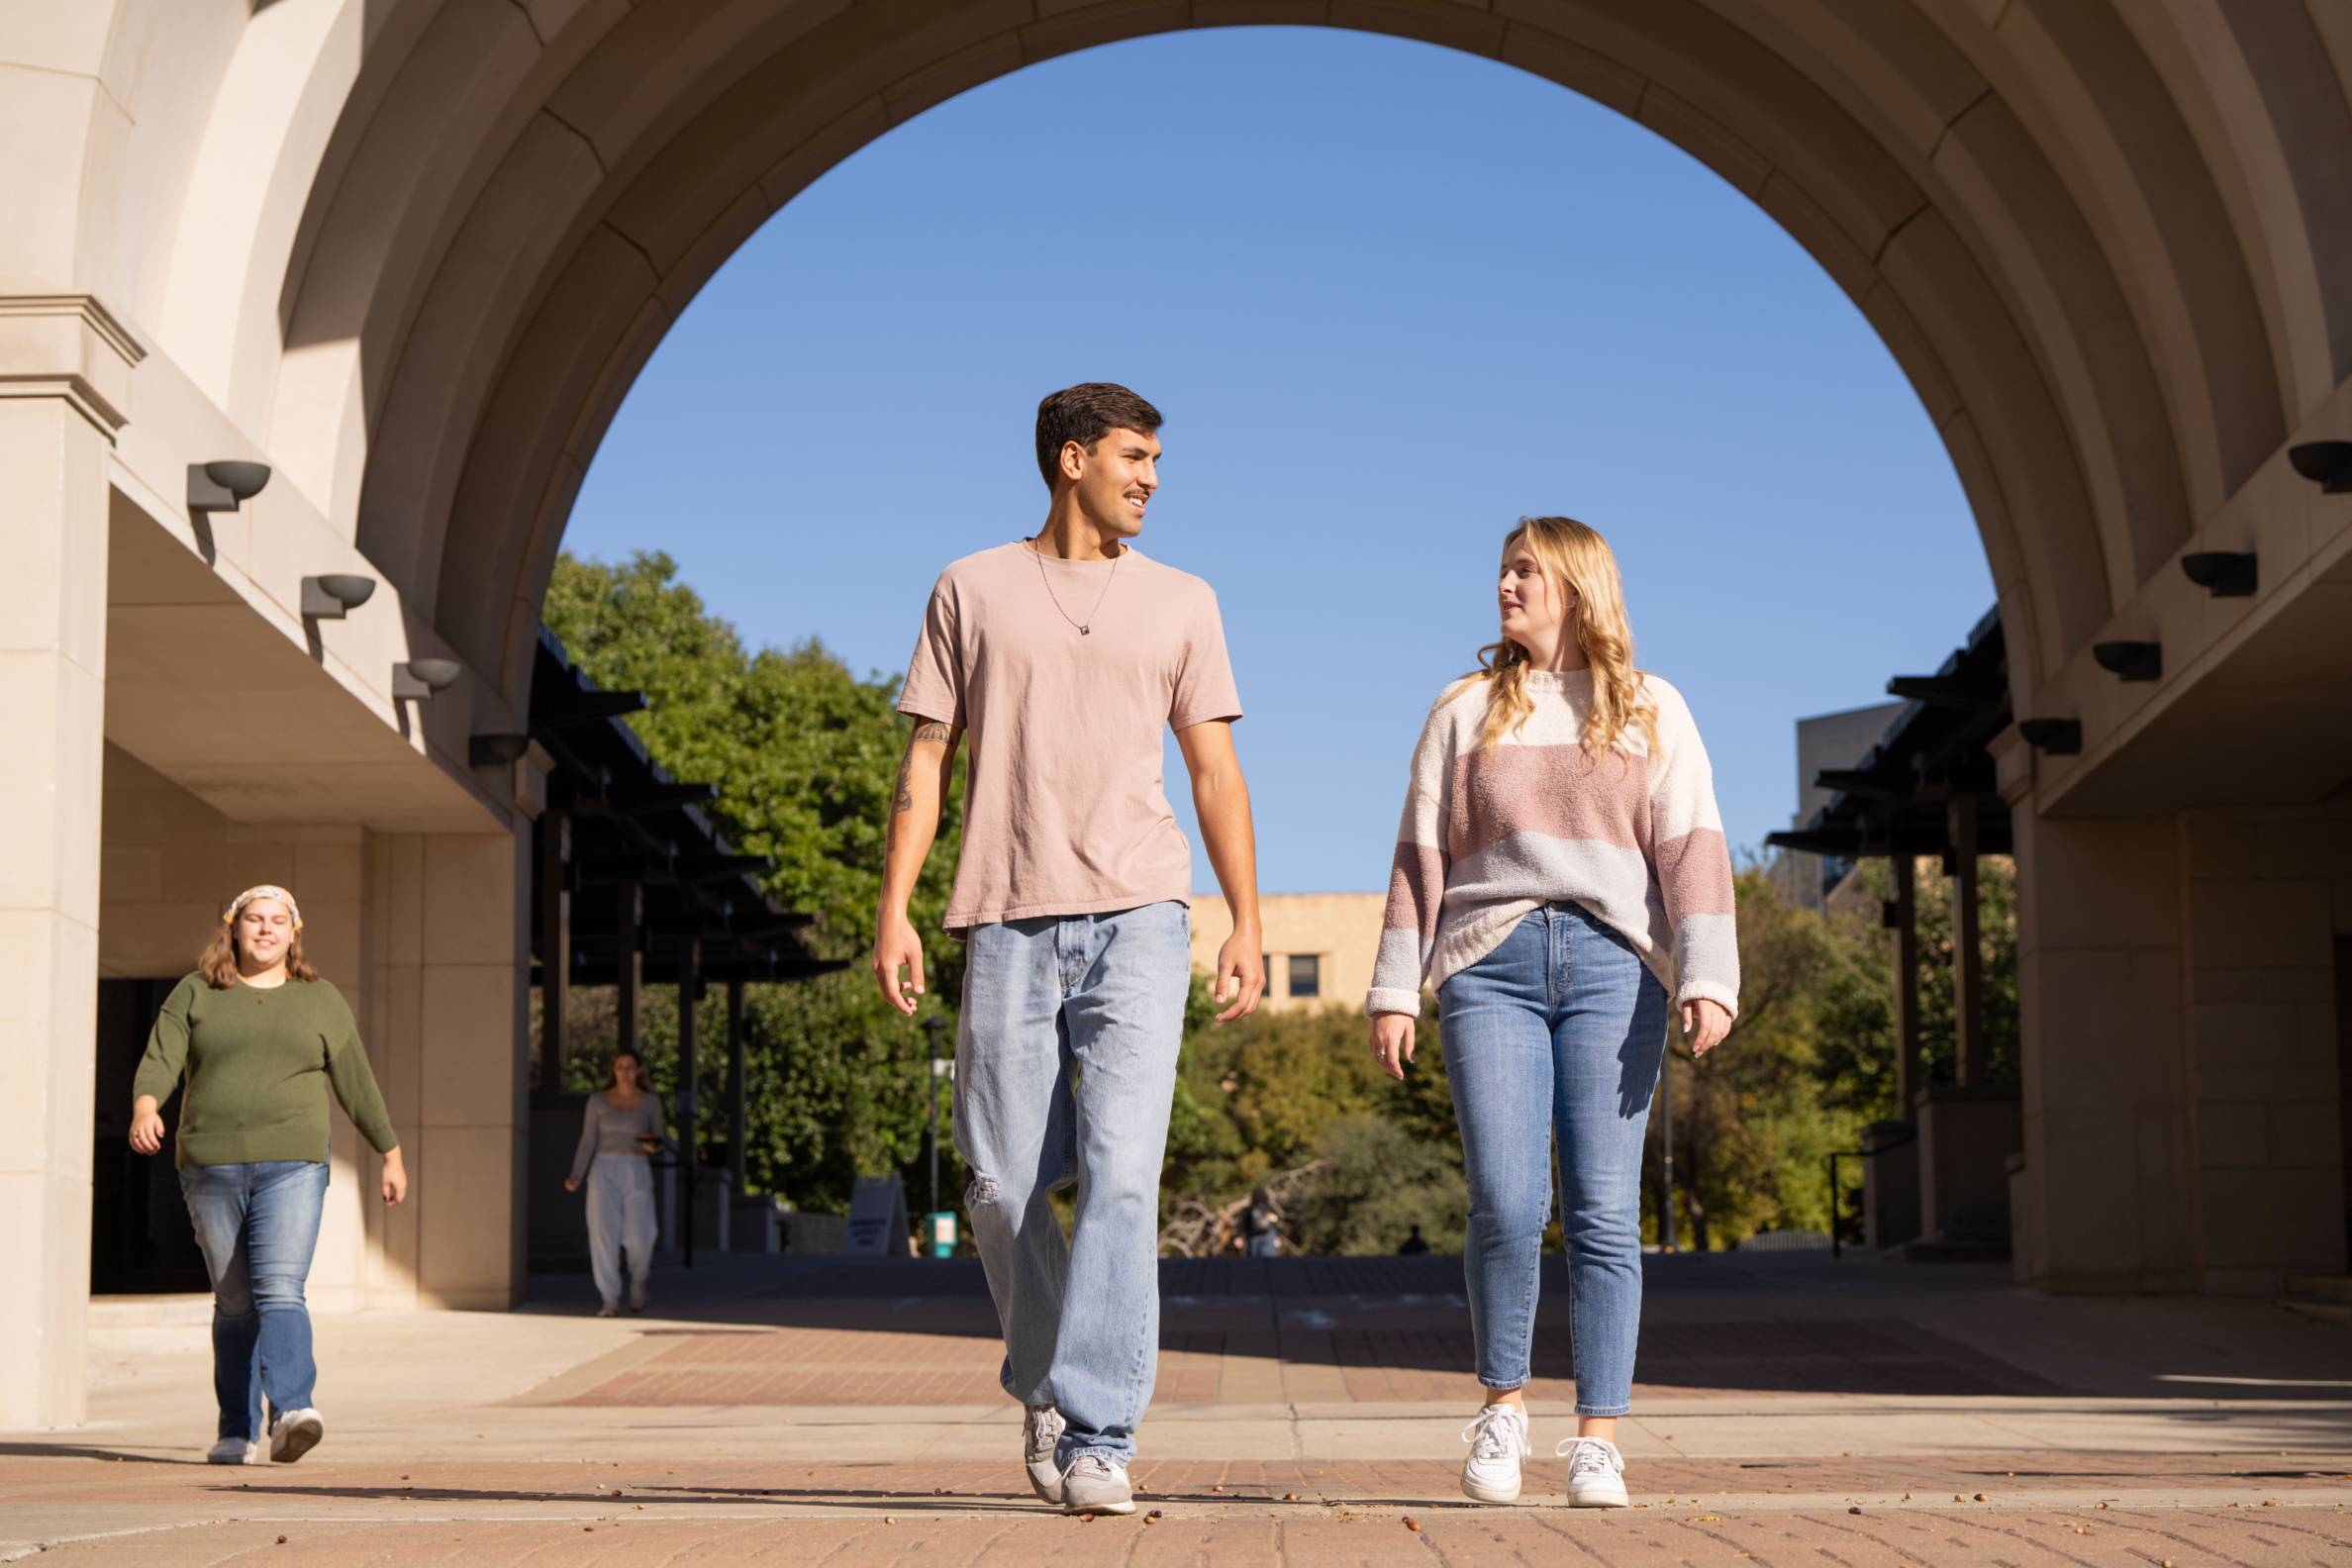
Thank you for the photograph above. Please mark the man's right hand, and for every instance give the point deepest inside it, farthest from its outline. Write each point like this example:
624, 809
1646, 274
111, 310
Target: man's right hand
897, 947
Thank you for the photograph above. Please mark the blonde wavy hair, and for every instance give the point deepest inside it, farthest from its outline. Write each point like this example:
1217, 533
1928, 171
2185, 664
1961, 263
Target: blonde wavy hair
1573, 555
218, 962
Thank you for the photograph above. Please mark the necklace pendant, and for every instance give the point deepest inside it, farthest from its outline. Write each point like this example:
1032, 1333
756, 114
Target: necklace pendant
1086, 630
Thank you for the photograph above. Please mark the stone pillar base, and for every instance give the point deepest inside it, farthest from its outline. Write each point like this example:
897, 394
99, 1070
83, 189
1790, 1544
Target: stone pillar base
1890, 1184
1966, 1137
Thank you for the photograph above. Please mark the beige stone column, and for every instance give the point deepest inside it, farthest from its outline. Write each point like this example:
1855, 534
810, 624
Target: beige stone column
64, 366
449, 961
2109, 1180
2261, 895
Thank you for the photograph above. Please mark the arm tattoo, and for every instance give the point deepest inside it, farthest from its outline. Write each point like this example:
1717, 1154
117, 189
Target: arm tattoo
927, 729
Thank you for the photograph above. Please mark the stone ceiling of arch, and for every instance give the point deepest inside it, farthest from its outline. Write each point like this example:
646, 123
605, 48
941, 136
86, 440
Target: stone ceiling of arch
586, 182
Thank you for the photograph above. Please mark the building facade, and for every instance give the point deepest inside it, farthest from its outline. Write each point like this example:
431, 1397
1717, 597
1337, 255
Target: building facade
411, 255
1318, 947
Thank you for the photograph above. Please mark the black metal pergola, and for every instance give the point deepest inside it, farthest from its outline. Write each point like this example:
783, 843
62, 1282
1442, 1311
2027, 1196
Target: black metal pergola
633, 885
1927, 788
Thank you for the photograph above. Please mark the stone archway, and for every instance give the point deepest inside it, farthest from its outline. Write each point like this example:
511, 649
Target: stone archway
412, 253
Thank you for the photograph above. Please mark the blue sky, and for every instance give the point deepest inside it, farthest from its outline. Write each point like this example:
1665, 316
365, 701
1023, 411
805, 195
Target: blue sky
1390, 298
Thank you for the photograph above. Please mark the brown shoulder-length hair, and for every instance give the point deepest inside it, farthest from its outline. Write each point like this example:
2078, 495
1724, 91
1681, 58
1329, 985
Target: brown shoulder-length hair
218, 962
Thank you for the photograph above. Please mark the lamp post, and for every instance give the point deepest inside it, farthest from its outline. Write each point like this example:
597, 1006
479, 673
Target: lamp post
933, 1027
1666, 1241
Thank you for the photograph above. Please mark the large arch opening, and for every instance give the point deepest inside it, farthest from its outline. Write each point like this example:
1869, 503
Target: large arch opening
414, 253
483, 383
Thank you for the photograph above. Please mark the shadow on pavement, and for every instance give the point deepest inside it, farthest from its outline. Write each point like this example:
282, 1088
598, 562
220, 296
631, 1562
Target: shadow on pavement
741, 1331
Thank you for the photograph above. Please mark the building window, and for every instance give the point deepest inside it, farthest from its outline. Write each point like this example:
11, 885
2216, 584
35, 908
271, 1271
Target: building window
1267, 968
1305, 975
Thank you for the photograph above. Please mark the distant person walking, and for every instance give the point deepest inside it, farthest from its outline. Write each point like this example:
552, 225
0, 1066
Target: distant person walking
621, 1132
1561, 857
1261, 1225
260, 1039
1066, 657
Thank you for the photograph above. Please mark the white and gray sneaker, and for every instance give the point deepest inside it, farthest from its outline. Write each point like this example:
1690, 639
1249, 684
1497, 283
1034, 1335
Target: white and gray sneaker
1095, 1485
1040, 1429
1498, 1439
294, 1433
234, 1450
1595, 1473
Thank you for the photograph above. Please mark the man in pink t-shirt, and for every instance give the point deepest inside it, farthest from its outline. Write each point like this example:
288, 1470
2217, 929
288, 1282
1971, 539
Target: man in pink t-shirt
1060, 659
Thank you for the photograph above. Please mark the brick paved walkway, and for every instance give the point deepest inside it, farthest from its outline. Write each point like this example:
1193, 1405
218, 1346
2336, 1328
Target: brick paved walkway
1790, 1412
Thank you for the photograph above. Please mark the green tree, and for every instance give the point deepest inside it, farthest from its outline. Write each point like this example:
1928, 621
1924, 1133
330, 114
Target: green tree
1284, 1090
805, 756
1755, 1118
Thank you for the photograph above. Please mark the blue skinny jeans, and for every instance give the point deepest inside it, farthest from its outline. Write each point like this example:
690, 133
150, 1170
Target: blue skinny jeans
1561, 1029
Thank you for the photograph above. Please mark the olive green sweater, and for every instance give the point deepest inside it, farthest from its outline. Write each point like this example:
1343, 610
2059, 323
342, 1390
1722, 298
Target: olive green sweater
258, 1064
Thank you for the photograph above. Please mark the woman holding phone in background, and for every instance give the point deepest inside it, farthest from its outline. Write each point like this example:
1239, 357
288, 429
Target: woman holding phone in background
620, 1131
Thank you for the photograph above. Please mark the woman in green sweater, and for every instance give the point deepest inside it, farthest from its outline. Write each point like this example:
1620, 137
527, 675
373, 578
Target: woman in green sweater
260, 1039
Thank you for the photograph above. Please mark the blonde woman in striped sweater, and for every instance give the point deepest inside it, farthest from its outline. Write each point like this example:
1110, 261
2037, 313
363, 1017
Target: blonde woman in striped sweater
1561, 860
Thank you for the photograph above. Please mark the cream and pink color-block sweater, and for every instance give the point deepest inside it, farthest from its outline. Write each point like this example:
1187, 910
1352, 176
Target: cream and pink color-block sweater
1489, 836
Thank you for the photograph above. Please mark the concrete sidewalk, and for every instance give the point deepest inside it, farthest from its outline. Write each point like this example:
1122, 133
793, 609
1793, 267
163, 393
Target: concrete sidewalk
1306, 1409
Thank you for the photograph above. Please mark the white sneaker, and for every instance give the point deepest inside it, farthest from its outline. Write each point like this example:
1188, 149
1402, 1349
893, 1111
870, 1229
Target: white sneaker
296, 1432
1498, 1439
234, 1450
1595, 1473
1095, 1485
1041, 1428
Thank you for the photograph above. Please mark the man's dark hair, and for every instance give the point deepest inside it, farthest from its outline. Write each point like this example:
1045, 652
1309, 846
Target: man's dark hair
1085, 413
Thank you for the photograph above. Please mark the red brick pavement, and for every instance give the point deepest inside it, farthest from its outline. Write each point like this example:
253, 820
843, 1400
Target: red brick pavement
833, 1366
2034, 1509
2006, 1478
2136, 1538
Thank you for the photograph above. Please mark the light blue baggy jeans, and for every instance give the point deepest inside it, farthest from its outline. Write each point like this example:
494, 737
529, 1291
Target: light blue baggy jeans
1065, 1066
1562, 1026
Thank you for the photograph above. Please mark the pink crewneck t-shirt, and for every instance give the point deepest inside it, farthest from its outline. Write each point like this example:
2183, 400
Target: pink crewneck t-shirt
1065, 812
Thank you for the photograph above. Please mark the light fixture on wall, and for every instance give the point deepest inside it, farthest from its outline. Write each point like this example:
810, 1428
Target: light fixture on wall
225, 485
2327, 464
496, 751
2056, 736
2226, 575
419, 680
333, 595
2131, 661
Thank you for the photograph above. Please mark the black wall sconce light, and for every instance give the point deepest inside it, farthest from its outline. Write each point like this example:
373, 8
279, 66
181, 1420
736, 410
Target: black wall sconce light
2327, 464
2055, 736
2131, 661
334, 595
496, 751
2226, 575
225, 485
419, 680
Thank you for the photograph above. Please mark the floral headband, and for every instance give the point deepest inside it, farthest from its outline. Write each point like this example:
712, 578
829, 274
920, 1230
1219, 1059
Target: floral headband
264, 891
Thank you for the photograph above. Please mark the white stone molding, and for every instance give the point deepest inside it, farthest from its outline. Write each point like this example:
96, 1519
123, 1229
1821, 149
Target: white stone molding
68, 347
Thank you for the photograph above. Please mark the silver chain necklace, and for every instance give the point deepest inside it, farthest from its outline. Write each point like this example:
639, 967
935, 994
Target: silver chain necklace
1086, 627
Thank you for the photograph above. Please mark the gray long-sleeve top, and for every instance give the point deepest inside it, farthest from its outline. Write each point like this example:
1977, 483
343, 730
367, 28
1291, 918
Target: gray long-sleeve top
606, 1128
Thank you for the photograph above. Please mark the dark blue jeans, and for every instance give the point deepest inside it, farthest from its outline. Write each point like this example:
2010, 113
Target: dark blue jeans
258, 1226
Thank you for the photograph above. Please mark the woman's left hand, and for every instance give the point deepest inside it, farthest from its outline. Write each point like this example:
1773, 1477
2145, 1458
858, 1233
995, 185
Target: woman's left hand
1704, 1023
395, 1179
